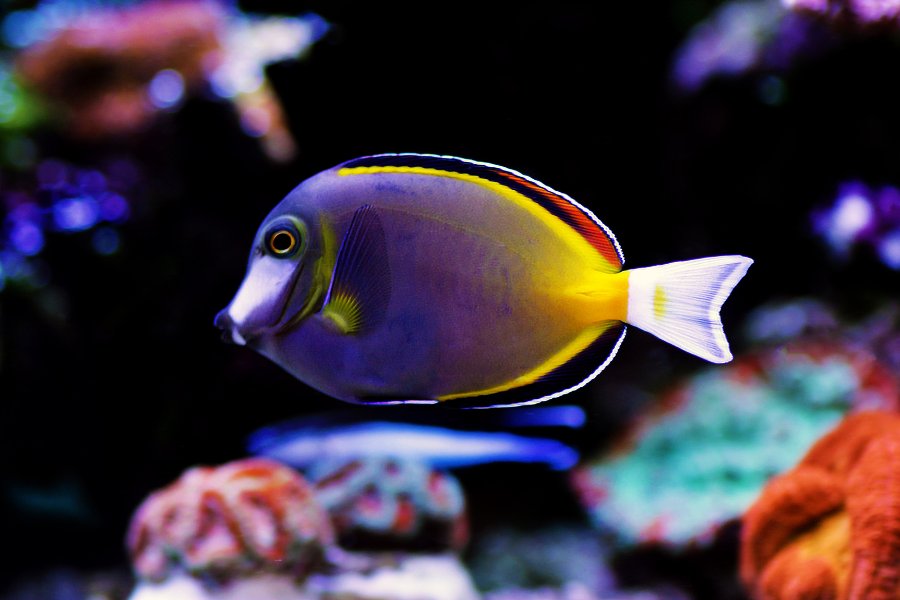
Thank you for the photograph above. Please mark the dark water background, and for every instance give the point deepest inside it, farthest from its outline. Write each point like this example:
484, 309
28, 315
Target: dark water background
131, 384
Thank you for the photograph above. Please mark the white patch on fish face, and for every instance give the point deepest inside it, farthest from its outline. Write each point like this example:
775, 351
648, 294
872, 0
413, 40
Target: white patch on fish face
260, 300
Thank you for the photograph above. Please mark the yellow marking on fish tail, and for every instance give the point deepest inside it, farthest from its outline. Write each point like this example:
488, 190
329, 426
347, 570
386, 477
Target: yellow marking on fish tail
659, 302
562, 230
582, 341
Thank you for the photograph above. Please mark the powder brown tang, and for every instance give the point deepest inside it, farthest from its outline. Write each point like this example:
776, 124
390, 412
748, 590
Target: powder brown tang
420, 278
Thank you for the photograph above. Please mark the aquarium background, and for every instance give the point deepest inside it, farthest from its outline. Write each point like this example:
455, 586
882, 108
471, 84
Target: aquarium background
683, 133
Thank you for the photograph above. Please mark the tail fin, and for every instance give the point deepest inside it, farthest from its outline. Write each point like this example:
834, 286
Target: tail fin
680, 302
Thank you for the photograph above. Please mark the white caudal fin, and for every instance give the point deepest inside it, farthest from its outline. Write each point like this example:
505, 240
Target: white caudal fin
680, 302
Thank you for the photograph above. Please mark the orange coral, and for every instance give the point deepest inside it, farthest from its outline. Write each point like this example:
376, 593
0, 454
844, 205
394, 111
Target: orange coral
245, 516
830, 527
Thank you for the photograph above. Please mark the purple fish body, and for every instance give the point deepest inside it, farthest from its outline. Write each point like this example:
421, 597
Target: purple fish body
417, 278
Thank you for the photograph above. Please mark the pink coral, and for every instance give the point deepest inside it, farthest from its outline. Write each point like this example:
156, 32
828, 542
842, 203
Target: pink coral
242, 518
830, 527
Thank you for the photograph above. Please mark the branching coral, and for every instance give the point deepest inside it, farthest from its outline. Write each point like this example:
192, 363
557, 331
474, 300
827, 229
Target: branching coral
830, 527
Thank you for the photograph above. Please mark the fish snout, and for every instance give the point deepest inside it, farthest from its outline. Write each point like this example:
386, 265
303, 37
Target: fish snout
230, 332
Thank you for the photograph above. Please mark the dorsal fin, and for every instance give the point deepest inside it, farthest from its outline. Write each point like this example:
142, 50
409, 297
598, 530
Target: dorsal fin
576, 216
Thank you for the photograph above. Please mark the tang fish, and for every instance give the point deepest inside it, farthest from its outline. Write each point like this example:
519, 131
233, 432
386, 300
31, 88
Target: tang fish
432, 279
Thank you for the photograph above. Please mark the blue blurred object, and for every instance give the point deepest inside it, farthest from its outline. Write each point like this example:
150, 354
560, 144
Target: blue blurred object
59, 198
305, 445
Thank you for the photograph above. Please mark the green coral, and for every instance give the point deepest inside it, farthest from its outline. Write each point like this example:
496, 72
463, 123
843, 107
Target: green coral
704, 463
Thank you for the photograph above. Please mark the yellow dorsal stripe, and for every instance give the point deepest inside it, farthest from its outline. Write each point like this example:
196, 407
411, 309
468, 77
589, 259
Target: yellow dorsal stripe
569, 236
582, 341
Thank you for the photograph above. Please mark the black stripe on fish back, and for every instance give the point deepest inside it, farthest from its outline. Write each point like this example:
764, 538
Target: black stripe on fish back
557, 204
584, 365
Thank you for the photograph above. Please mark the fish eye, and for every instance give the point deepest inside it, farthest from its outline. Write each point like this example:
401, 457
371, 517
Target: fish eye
281, 242
283, 239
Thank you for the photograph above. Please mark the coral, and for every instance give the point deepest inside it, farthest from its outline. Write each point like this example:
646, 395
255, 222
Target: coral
702, 458
100, 66
110, 70
247, 517
379, 503
742, 37
830, 527
404, 523
878, 331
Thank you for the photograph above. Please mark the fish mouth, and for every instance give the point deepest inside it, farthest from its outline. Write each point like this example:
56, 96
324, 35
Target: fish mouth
244, 334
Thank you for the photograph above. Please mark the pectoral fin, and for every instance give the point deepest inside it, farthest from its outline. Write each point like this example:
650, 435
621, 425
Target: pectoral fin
360, 287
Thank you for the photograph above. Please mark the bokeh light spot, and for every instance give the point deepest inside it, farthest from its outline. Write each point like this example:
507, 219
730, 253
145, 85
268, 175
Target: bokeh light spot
114, 208
889, 250
75, 214
19, 29
851, 215
26, 237
166, 89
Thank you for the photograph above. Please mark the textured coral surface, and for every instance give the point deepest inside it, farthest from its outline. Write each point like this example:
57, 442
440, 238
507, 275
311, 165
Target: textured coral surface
702, 458
241, 518
830, 527
383, 503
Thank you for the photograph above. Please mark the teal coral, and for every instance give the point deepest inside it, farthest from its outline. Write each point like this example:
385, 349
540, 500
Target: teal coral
703, 459
388, 503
